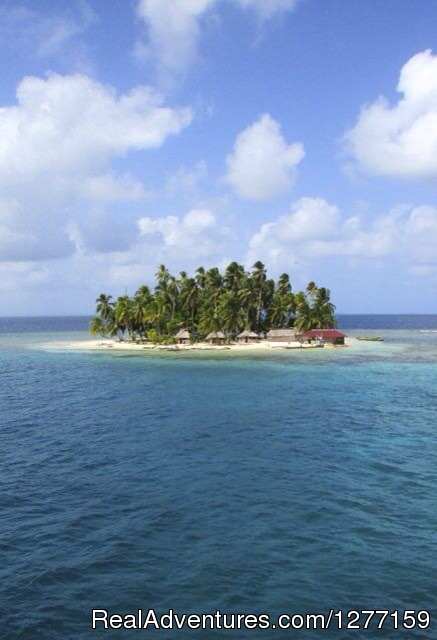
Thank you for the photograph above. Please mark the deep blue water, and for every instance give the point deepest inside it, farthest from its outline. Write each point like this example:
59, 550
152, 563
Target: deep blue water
296, 482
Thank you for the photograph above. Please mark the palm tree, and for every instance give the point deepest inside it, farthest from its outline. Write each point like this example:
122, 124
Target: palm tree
113, 329
259, 278
123, 314
171, 293
284, 285
211, 301
189, 298
143, 291
97, 327
231, 312
213, 278
210, 320
248, 296
323, 310
162, 277
311, 291
281, 310
139, 310
156, 312
213, 285
200, 277
233, 277
104, 306
267, 297
304, 316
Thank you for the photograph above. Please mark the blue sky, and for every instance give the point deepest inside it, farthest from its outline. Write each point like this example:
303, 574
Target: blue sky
188, 132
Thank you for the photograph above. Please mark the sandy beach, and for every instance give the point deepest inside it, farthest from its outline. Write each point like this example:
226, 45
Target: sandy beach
264, 345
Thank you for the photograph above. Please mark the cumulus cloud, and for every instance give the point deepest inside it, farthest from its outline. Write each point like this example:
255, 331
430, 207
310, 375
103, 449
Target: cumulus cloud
262, 164
56, 150
197, 235
181, 242
80, 124
401, 140
421, 230
315, 230
111, 188
310, 218
174, 28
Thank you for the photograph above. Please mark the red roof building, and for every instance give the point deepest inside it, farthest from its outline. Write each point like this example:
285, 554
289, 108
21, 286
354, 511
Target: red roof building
332, 336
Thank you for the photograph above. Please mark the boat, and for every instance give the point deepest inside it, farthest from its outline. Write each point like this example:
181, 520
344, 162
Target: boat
371, 338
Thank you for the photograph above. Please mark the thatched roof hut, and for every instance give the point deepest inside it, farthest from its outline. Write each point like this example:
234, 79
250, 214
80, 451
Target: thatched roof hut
183, 336
247, 336
215, 337
281, 335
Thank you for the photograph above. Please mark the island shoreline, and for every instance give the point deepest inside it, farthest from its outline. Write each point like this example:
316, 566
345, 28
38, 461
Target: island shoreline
109, 345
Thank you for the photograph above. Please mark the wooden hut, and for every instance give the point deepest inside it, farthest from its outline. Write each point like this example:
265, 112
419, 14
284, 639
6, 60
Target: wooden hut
281, 335
246, 337
216, 337
182, 337
328, 336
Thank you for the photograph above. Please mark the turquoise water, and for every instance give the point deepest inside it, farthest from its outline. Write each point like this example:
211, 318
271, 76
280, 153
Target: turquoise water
280, 483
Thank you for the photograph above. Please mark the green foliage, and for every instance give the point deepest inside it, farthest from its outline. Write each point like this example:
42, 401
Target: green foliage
97, 327
152, 335
212, 301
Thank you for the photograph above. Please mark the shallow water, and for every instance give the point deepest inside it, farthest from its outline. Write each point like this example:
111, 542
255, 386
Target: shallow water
293, 482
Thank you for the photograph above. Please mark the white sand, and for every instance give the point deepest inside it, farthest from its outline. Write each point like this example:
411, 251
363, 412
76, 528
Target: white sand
104, 344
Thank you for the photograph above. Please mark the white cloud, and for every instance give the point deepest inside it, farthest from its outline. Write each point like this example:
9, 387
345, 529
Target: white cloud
80, 124
72, 283
182, 243
421, 230
315, 234
18, 277
315, 230
56, 150
110, 188
197, 235
282, 240
263, 165
401, 140
174, 28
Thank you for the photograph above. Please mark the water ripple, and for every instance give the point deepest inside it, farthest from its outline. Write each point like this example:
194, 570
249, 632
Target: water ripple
242, 485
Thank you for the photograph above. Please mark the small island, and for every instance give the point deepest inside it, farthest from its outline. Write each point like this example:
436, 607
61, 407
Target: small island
218, 310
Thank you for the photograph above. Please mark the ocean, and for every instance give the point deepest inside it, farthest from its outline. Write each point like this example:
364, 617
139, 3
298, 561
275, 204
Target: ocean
266, 484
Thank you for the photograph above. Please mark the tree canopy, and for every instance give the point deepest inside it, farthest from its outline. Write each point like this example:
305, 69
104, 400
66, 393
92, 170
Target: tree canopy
213, 301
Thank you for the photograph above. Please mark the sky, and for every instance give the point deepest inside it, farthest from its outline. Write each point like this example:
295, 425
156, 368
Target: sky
302, 133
